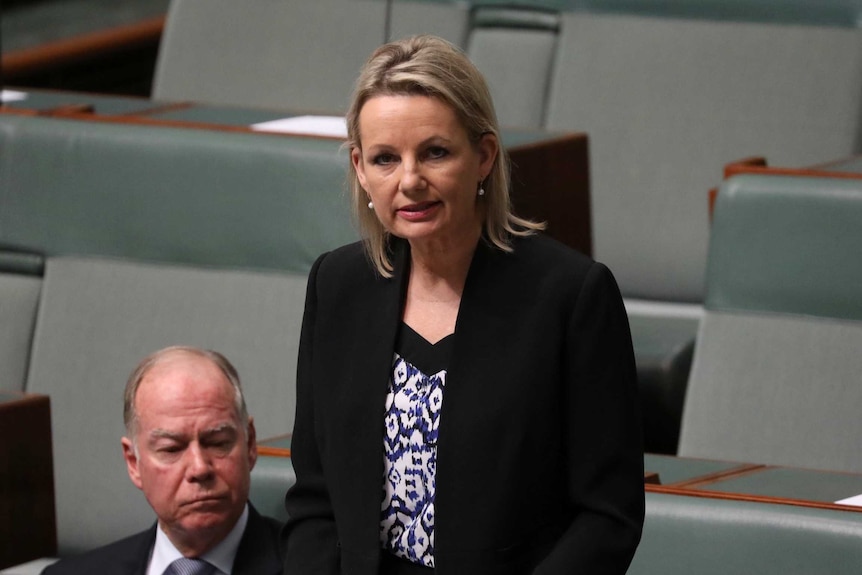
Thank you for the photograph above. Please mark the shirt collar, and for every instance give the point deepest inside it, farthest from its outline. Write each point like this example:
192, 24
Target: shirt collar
221, 556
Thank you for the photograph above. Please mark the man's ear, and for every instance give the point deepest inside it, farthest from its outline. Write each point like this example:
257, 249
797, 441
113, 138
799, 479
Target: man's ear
131, 458
252, 444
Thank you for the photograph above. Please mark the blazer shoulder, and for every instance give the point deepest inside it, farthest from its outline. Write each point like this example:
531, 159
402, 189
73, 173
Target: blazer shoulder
539, 255
127, 556
346, 260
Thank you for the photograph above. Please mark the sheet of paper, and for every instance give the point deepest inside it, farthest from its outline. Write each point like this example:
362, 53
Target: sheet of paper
855, 500
12, 96
334, 126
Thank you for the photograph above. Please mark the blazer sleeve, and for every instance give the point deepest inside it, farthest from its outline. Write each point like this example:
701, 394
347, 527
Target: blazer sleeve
310, 539
603, 444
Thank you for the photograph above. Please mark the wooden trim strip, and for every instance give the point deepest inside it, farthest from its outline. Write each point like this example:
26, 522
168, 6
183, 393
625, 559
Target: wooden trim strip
674, 490
83, 47
758, 165
273, 451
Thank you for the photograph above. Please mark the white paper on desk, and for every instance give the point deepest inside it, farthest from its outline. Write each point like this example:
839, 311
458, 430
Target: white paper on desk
334, 126
12, 96
855, 500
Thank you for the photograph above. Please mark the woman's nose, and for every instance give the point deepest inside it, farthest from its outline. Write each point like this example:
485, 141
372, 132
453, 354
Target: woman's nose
411, 176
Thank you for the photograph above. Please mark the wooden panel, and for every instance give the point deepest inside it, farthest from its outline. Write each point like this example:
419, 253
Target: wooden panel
27, 520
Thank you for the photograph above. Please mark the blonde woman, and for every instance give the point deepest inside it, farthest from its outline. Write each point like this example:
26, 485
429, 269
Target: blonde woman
466, 394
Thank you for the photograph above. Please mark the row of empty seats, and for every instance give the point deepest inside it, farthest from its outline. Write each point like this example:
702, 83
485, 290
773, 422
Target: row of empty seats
117, 240
113, 248
665, 101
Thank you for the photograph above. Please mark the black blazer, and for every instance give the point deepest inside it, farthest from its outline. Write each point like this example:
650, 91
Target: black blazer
539, 462
259, 553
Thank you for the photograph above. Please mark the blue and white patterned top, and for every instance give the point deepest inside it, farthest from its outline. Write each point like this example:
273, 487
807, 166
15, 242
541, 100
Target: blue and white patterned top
412, 422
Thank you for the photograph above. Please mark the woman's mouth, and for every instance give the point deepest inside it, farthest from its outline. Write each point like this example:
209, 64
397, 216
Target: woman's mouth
418, 211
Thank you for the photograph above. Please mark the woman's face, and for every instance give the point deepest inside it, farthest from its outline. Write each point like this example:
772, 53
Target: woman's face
420, 169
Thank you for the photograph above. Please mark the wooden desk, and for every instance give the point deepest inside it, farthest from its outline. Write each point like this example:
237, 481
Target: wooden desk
753, 482
27, 520
550, 171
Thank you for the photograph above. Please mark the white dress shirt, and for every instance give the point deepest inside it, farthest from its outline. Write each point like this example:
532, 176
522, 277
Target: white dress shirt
221, 556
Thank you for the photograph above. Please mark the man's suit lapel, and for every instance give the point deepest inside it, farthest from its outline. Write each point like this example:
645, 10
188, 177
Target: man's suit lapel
136, 558
258, 552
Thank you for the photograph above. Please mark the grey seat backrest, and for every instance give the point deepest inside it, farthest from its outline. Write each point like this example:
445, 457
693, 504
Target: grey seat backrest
685, 534
667, 102
514, 49
267, 53
777, 364
19, 300
97, 319
449, 20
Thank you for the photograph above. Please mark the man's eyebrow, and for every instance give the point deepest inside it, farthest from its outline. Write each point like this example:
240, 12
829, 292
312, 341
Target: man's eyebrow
165, 434
219, 429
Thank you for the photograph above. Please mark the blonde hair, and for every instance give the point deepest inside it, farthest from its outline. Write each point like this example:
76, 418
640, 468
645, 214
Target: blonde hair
431, 66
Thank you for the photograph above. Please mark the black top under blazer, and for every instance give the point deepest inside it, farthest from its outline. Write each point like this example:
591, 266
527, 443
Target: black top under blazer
539, 462
259, 553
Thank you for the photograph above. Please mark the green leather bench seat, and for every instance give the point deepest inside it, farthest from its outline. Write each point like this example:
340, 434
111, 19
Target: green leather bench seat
185, 196
685, 534
119, 239
775, 377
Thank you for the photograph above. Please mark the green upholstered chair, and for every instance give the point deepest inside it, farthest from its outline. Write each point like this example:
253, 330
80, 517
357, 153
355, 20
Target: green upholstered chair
185, 196
119, 239
449, 19
666, 103
285, 55
684, 534
515, 48
20, 286
267, 53
97, 318
777, 364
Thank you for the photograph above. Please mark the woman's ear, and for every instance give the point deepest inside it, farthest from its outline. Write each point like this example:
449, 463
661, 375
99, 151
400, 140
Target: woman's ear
358, 167
489, 147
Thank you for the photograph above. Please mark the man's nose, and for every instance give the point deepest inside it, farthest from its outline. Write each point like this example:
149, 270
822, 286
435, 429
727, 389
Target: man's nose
199, 464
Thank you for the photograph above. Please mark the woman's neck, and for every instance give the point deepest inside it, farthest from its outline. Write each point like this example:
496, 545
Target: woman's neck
439, 267
435, 285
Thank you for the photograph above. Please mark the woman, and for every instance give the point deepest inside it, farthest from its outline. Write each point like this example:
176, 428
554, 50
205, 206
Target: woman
466, 395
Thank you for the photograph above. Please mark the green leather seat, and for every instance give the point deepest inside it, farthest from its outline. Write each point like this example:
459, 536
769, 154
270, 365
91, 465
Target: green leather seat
685, 535
777, 366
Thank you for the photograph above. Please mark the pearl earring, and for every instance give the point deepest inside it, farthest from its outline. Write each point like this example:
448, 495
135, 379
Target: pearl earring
370, 205
481, 191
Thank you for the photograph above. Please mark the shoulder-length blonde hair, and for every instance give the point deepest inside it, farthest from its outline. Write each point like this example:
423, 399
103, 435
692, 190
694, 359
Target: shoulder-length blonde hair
431, 66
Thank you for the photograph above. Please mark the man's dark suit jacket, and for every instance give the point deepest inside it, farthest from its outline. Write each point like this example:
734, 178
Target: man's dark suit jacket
259, 553
539, 460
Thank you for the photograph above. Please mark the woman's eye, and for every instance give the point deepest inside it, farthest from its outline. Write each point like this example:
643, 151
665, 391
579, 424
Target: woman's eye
383, 159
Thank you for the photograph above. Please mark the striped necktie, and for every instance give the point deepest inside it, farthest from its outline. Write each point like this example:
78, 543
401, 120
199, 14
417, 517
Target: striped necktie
185, 566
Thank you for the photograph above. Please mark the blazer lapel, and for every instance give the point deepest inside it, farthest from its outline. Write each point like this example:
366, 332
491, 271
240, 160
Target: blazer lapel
373, 331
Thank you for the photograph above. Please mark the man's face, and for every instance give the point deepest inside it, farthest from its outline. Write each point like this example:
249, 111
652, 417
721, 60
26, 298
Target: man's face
193, 457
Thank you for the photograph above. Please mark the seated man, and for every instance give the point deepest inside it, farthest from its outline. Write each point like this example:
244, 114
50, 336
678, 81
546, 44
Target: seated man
190, 447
